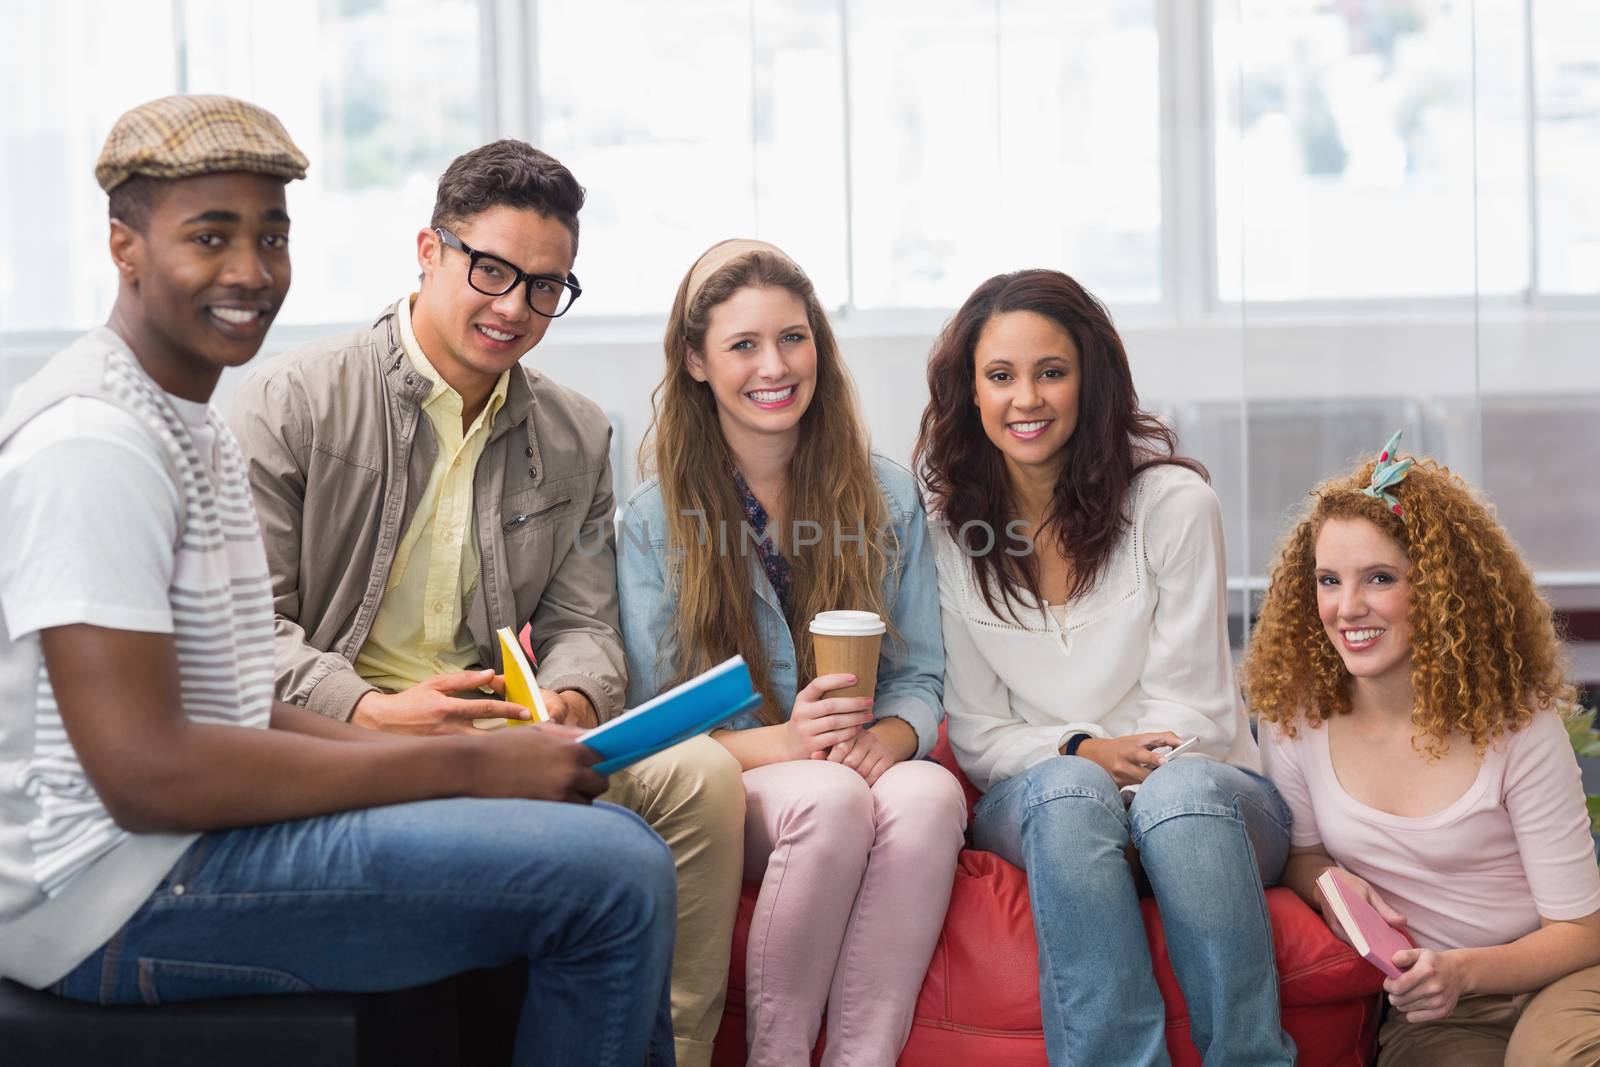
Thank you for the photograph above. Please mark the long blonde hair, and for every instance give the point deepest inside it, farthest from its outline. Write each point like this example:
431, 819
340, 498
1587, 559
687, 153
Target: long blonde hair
831, 483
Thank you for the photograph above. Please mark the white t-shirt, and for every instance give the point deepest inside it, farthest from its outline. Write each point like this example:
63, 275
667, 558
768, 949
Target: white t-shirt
111, 521
82, 467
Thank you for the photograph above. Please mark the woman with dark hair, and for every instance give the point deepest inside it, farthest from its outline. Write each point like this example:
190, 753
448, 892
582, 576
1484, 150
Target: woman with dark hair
767, 508
1081, 581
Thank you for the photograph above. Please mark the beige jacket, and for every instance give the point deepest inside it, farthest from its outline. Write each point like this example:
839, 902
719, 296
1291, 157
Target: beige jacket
338, 450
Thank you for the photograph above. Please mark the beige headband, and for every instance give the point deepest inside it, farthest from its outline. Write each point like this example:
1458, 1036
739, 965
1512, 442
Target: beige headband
720, 255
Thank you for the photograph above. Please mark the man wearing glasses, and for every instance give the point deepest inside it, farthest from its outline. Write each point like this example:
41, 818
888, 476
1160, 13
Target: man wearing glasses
418, 488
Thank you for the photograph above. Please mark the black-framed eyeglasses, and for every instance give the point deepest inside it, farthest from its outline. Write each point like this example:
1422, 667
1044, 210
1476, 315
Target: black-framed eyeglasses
548, 295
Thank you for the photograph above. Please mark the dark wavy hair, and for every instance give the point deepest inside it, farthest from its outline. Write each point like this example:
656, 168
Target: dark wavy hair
965, 474
508, 173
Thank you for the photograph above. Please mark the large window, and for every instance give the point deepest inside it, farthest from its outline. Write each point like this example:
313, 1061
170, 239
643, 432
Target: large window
993, 136
66, 72
380, 94
692, 122
1566, 144
1344, 128
1352, 150
900, 149
1315, 221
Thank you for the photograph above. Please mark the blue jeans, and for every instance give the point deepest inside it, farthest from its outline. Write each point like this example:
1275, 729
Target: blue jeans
1209, 836
400, 896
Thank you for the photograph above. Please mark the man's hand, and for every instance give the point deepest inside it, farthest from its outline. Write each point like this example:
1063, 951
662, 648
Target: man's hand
430, 707
819, 722
543, 762
1429, 985
571, 707
1129, 760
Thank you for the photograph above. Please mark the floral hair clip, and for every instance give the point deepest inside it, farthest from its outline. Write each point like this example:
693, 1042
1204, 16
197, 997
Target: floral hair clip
1387, 473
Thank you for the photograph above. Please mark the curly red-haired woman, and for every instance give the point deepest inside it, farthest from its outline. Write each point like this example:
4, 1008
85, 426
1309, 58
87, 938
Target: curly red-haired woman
1411, 683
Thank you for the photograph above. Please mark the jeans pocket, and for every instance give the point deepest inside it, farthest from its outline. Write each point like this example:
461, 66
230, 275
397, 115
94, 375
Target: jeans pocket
169, 981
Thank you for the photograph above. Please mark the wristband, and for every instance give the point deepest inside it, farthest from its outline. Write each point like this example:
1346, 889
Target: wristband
1071, 747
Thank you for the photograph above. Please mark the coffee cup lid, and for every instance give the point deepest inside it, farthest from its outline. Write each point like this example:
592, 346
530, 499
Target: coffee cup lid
847, 624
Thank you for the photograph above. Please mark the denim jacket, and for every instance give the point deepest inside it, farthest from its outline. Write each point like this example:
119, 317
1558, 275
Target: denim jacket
910, 670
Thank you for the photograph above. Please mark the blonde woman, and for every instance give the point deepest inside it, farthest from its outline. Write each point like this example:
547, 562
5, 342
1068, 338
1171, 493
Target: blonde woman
767, 507
1410, 682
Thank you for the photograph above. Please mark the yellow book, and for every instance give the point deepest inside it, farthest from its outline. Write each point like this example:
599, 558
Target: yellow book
521, 685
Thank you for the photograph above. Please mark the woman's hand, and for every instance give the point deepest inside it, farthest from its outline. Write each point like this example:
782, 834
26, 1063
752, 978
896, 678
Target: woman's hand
1429, 985
1129, 760
819, 722
1367, 893
874, 750
865, 753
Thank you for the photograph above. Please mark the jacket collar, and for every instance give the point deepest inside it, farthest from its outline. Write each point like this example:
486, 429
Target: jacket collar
518, 414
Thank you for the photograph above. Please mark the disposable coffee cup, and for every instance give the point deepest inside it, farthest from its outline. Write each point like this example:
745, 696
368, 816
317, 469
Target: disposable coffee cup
847, 642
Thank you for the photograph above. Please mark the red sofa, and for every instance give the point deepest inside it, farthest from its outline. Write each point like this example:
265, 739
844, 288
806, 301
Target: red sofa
980, 1000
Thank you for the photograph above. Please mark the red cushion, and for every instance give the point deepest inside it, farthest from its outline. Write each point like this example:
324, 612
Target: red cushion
947, 760
980, 1000
983, 981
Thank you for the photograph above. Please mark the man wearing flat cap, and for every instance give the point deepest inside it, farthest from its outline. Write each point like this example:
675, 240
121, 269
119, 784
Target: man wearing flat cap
168, 830
421, 486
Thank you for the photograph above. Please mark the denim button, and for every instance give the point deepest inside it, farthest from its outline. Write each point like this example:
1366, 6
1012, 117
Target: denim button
529, 451
178, 890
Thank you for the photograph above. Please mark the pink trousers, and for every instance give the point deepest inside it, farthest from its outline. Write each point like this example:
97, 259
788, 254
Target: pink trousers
855, 881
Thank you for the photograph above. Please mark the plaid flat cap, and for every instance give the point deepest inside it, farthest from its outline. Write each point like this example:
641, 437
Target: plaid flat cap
182, 136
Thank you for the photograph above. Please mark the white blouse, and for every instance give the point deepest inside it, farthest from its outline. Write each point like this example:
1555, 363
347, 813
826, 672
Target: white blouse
1145, 650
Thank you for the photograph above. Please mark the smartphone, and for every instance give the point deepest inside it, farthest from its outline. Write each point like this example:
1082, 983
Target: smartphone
1181, 749
1184, 746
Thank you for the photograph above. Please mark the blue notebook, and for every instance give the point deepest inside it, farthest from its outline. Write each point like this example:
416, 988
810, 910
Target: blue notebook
698, 705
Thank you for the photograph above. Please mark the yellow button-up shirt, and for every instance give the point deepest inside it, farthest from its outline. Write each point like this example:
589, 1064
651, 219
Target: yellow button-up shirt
420, 629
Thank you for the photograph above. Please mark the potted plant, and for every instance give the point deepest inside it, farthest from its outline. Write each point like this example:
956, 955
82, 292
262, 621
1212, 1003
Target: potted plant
1586, 743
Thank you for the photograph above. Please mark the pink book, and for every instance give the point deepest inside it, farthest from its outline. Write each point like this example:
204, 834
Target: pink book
1375, 940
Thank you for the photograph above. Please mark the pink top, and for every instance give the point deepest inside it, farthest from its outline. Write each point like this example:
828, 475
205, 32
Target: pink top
1515, 846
